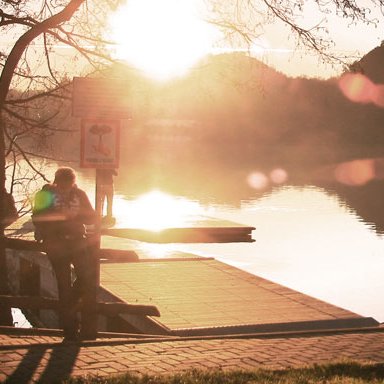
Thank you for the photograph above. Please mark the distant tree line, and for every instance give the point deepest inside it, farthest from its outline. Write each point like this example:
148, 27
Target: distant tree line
231, 109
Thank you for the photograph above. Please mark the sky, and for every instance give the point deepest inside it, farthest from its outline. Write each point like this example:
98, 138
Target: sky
172, 37
165, 38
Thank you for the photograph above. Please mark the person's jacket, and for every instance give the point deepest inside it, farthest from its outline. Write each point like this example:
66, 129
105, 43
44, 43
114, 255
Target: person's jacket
58, 215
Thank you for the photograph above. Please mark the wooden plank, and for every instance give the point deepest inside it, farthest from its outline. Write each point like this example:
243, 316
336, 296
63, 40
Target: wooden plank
114, 309
118, 255
183, 235
107, 308
30, 302
104, 253
23, 244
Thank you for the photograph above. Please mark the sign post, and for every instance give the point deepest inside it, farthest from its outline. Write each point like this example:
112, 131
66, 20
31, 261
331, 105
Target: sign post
100, 103
100, 98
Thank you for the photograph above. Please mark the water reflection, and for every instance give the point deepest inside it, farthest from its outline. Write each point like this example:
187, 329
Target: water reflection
307, 239
326, 242
154, 210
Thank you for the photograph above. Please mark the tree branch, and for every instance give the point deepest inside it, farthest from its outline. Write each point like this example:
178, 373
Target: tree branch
49, 93
23, 42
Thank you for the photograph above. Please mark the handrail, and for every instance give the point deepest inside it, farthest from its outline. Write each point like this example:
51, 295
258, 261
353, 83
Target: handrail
89, 305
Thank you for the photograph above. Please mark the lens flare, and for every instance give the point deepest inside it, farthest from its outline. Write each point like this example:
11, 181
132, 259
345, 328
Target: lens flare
257, 180
354, 173
43, 200
359, 89
278, 176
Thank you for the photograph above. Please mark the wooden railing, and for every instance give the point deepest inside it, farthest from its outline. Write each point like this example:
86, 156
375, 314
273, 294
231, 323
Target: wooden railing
89, 306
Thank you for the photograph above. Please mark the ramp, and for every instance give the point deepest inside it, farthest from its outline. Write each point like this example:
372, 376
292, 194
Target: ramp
207, 297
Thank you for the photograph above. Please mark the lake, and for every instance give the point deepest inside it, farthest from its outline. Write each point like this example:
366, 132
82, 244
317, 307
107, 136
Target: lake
307, 238
326, 242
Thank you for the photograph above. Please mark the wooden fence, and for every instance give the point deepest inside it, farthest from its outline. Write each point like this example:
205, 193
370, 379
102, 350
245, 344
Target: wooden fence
89, 306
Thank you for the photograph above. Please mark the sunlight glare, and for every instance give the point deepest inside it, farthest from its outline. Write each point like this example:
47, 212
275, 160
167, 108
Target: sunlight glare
155, 211
162, 38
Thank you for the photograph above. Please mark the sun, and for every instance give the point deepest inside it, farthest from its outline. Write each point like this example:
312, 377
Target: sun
161, 38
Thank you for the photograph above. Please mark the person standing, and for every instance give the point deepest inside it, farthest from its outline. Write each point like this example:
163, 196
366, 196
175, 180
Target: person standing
60, 213
105, 191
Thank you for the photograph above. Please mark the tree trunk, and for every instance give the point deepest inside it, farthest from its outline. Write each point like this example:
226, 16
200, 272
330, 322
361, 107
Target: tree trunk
5, 81
5, 311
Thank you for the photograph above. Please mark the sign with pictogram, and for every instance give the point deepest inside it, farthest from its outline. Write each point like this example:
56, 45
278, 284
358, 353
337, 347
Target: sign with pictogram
100, 143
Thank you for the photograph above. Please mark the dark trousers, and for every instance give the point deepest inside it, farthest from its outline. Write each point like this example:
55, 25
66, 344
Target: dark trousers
105, 195
68, 256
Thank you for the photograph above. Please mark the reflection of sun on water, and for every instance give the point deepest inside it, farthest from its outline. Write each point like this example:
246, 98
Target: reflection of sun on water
154, 211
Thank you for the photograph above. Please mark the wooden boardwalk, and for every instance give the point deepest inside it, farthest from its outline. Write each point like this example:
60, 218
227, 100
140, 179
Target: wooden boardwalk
202, 296
207, 297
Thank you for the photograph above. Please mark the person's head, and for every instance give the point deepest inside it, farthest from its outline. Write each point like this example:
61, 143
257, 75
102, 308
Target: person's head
65, 177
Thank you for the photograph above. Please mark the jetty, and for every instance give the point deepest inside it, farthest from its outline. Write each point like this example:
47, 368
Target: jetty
182, 295
168, 315
197, 230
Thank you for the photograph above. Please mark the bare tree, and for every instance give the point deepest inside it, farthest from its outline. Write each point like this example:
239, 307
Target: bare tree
36, 31
243, 21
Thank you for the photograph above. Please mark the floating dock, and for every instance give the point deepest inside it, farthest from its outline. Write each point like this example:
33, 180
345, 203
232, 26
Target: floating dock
200, 230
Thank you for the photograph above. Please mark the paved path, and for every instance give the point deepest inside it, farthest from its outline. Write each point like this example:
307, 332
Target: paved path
39, 358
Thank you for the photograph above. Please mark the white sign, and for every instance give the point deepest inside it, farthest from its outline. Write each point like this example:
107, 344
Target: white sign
100, 98
100, 143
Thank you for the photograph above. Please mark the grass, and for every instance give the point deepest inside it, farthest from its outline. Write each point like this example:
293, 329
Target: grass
340, 373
